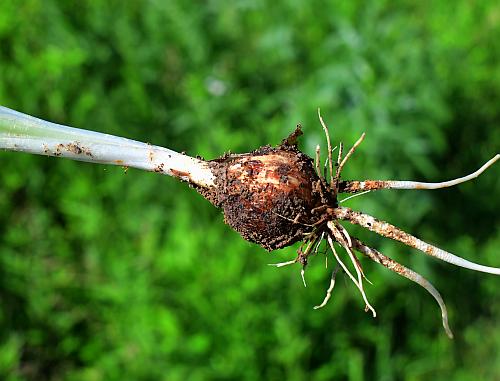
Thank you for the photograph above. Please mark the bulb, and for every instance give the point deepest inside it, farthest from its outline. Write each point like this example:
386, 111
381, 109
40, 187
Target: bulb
268, 195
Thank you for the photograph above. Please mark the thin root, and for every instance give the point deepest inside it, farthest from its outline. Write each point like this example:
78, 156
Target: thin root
317, 161
329, 145
329, 290
337, 172
319, 242
351, 151
347, 244
302, 274
295, 221
358, 284
345, 241
354, 195
407, 273
283, 264
358, 186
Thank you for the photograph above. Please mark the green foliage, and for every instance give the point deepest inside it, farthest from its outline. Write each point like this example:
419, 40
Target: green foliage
113, 276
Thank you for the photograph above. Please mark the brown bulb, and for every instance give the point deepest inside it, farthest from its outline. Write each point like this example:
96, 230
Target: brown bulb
268, 195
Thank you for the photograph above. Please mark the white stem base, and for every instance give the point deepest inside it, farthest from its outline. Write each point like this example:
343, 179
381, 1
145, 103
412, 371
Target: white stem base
21, 132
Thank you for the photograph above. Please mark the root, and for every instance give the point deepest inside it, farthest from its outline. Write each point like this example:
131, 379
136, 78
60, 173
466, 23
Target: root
407, 273
351, 151
346, 242
326, 226
319, 242
354, 195
313, 241
317, 161
295, 220
359, 282
283, 264
329, 145
326, 162
334, 185
385, 229
358, 186
329, 290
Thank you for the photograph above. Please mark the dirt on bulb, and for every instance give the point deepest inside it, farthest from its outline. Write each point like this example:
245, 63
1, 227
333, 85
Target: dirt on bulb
268, 195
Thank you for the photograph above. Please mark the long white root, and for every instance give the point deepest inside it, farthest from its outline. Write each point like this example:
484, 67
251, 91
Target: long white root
385, 229
407, 273
359, 186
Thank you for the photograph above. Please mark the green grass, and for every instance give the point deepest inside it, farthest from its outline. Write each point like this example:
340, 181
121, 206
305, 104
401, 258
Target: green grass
113, 276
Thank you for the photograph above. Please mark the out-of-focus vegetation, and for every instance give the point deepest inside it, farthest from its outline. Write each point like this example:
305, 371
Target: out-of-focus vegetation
106, 275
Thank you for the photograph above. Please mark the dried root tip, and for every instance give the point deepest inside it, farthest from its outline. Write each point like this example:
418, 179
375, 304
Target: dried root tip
293, 138
385, 229
358, 186
407, 273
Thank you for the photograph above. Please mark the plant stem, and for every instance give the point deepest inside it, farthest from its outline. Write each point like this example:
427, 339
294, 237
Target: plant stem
24, 133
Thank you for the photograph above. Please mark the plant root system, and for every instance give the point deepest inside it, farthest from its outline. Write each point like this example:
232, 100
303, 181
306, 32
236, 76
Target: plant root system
274, 196
277, 196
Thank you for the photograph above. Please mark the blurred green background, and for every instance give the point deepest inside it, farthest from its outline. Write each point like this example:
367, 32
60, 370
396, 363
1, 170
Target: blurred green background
106, 275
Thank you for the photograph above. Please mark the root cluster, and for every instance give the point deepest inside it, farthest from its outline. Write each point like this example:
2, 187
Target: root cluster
278, 196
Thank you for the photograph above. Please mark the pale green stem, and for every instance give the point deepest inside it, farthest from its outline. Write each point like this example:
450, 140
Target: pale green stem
24, 133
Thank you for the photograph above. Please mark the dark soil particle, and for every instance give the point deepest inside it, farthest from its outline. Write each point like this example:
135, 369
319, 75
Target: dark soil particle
267, 195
